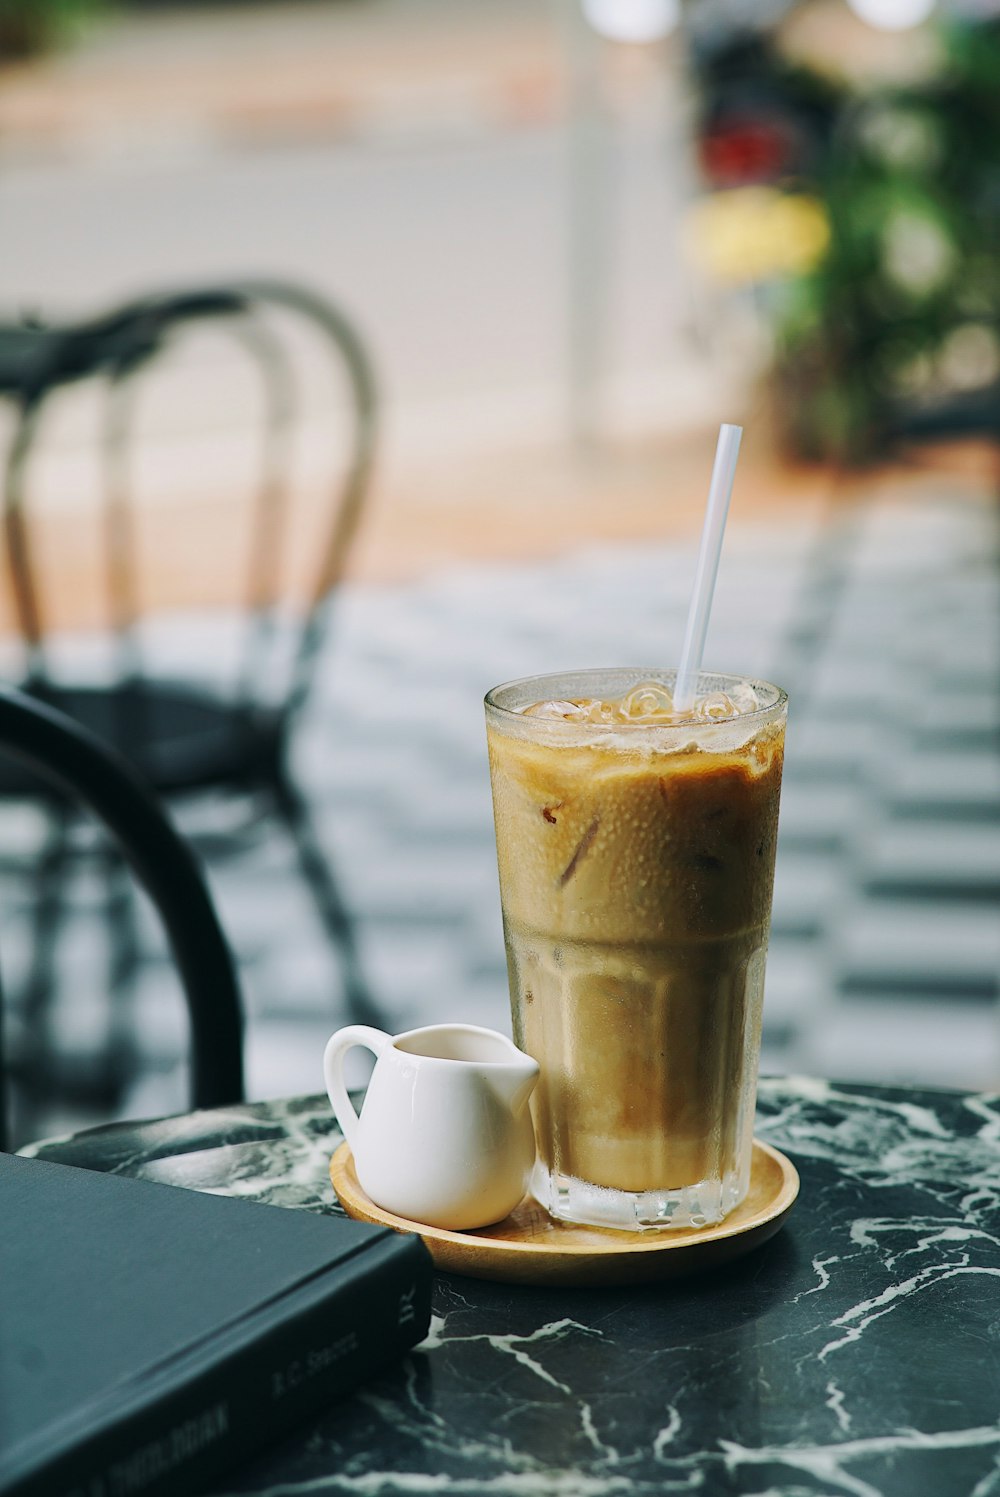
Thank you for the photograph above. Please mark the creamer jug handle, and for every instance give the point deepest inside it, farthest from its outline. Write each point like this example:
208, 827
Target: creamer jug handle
336, 1050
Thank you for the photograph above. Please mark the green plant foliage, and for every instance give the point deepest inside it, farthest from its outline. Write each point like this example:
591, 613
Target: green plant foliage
28, 27
903, 309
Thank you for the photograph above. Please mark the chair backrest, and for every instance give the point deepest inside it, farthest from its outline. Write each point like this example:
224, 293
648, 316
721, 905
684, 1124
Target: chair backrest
120, 349
53, 746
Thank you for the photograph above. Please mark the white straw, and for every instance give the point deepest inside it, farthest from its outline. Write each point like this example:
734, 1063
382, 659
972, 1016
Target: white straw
719, 493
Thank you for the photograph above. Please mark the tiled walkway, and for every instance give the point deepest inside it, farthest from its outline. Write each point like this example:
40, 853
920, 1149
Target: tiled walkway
884, 625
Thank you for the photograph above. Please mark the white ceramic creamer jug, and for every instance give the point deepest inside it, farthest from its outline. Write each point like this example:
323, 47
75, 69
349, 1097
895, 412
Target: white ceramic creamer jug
445, 1136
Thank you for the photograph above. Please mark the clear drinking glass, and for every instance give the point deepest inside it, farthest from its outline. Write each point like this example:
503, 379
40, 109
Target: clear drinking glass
636, 866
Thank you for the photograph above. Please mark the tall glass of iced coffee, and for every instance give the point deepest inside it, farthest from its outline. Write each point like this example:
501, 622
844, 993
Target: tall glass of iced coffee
636, 850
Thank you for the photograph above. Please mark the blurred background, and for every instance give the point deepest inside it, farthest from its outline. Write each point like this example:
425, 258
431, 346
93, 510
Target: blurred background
490, 275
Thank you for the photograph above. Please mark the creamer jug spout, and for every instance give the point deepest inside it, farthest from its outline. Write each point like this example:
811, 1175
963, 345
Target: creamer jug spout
514, 1081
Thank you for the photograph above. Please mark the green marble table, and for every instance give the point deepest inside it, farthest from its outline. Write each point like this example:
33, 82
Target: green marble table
857, 1353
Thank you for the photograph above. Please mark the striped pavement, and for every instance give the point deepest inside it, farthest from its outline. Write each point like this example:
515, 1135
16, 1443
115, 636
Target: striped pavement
883, 622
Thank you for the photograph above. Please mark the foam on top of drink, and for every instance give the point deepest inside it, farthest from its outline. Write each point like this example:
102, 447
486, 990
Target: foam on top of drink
628, 713
650, 704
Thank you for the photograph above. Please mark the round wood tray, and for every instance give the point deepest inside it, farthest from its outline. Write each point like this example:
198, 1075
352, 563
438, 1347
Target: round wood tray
531, 1247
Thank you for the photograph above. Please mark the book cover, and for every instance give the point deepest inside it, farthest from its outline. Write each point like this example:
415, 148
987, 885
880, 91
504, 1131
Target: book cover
151, 1336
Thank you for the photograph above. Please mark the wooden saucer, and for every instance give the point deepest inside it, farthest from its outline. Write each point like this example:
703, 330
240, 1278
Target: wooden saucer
530, 1247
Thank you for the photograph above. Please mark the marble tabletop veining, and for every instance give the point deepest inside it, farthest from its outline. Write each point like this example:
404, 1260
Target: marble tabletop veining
856, 1353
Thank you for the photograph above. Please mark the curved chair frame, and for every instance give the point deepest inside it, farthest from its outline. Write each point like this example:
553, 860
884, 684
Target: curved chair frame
118, 346
251, 754
55, 747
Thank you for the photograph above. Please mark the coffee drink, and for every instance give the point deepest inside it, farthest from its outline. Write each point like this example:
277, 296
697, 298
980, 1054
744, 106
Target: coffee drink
636, 850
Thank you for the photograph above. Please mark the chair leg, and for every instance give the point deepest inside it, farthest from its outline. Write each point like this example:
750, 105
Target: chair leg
123, 964
42, 1075
35, 1073
4, 1087
317, 868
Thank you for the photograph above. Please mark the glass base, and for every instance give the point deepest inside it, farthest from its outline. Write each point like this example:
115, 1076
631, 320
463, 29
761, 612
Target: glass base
700, 1205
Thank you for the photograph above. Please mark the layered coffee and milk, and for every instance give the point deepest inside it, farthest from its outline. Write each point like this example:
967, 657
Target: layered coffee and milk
636, 849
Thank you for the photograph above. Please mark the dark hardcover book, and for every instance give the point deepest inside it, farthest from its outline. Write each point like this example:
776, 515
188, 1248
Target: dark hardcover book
151, 1337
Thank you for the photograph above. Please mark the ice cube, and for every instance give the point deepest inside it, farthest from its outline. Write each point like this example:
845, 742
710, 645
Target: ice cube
646, 703
565, 711
597, 711
716, 706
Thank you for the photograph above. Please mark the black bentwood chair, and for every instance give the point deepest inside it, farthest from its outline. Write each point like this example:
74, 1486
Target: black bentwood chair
223, 741
49, 744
